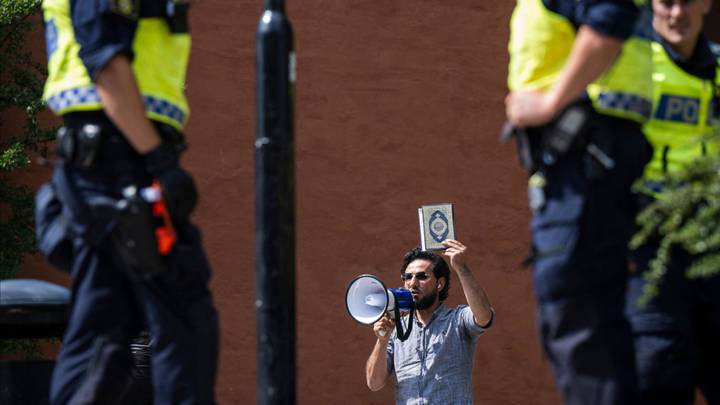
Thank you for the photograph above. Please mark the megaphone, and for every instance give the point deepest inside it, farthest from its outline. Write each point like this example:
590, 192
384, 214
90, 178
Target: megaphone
367, 300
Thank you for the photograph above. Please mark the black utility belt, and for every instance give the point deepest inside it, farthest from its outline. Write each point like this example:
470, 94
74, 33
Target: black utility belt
85, 145
79, 146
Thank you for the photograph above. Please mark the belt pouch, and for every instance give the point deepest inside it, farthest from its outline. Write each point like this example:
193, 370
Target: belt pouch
53, 235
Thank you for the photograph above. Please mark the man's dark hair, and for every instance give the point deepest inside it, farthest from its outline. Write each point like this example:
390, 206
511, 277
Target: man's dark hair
439, 267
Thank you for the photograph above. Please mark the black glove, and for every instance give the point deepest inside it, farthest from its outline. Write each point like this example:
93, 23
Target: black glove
178, 187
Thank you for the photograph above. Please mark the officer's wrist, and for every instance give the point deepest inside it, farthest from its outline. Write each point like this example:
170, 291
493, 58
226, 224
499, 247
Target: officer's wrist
147, 145
553, 102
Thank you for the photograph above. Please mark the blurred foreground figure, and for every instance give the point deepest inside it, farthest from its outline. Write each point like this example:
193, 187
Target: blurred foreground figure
117, 77
580, 86
677, 333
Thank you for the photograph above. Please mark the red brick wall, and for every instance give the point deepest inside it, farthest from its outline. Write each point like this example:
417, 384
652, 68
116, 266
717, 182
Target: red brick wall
398, 105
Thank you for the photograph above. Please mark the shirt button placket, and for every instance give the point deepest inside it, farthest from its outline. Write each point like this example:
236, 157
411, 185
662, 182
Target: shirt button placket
421, 347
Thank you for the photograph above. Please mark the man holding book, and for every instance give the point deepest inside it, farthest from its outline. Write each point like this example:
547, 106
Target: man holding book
435, 362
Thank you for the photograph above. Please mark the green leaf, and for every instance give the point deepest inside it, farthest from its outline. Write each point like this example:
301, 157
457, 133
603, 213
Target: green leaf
686, 217
21, 85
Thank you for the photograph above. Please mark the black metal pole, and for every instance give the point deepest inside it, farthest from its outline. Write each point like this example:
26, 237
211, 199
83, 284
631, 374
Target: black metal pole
274, 207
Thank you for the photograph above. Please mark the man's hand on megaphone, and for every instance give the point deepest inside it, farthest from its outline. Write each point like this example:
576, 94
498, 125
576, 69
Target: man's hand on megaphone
383, 328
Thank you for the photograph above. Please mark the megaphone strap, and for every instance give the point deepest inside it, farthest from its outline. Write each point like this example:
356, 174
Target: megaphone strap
406, 334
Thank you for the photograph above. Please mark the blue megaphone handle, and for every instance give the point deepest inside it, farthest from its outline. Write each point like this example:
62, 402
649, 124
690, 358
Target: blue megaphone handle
403, 302
403, 298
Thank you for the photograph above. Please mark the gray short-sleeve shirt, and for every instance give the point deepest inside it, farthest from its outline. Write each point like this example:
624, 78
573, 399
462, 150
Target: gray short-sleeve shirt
434, 365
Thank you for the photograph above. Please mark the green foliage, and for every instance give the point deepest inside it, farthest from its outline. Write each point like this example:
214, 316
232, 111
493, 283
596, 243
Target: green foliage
28, 347
17, 236
14, 10
686, 217
21, 83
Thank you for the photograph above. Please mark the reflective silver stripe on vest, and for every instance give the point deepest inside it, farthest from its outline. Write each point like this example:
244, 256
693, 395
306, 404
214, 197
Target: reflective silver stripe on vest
620, 101
64, 100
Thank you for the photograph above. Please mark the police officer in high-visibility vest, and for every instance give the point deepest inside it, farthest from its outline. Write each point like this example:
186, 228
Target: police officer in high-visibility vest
580, 86
677, 333
116, 75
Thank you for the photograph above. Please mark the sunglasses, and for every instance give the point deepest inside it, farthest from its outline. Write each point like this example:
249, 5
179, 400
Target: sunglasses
420, 275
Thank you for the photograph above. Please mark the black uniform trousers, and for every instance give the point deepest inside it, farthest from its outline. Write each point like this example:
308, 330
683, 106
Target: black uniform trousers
677, 333
580, 271
109, 308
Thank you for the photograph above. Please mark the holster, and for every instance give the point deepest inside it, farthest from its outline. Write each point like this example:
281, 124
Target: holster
541, 147
62, 213
134, 238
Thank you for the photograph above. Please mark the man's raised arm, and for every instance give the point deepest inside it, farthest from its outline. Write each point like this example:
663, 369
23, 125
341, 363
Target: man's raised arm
476, 297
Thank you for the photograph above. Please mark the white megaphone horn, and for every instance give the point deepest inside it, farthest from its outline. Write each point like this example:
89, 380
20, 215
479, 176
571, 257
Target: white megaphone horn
367, 300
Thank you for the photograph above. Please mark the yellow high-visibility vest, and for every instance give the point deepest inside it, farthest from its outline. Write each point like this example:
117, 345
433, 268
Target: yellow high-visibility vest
683, 115
160, 66
541, 42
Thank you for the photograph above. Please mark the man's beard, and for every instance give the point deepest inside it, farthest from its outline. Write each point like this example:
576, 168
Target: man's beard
427, 301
